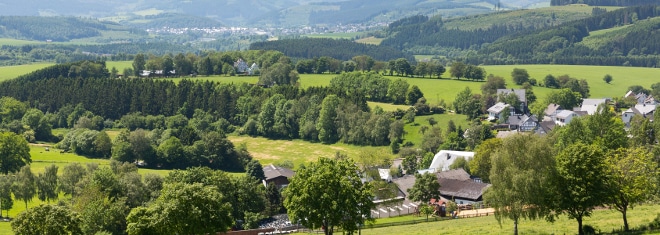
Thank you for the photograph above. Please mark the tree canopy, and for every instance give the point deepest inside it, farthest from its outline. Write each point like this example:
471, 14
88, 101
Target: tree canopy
328, 194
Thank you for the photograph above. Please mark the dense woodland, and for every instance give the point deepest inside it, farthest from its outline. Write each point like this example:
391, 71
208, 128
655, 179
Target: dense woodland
340, 49
536, 44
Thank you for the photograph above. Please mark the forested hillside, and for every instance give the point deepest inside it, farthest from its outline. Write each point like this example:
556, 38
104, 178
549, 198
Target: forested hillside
536, 43
339, 49
49, 28
605, 2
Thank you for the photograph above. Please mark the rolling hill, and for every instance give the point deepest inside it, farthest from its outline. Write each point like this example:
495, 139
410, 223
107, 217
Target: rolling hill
255, 12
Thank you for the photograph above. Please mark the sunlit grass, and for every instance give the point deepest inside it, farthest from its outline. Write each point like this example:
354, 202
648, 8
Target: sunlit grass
601, 220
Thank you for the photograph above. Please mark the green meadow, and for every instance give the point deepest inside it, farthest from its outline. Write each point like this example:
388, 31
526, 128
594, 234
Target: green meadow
624, 77
602, 220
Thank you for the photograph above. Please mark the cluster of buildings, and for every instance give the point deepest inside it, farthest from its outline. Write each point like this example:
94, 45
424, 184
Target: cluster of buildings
519, 119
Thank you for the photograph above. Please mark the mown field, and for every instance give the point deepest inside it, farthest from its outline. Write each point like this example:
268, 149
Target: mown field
601, 220
624, 77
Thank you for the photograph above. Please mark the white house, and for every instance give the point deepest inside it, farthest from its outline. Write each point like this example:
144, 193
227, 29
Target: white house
496, 112
443, 159
646, 110
564, 117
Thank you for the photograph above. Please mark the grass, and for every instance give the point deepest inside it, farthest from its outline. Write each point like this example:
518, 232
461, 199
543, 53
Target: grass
603, 220
387, 106
370, 40
412, 129
298, 151
333, 35
18, 42
11, 72
623, 77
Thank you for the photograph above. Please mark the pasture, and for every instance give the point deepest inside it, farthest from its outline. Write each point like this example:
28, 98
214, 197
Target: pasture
602, 220
623, 77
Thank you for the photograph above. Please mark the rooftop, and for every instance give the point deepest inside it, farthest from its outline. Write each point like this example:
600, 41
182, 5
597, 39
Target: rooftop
271, 172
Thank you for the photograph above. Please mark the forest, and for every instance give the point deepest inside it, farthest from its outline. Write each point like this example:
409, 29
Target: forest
537, 44
339, 49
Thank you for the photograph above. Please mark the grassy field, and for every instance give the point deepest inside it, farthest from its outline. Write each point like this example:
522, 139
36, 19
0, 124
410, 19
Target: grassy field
18, 42
11, 72
333, 35
603, 220
370, 40
412, 130
623, 77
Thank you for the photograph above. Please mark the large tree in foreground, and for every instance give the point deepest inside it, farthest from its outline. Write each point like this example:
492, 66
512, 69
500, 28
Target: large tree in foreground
14, 152
46, 219
633, 179
182, 209
521, 176
328, 194
581, 182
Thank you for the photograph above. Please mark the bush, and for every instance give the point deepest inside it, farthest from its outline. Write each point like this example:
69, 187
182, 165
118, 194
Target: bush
588, 229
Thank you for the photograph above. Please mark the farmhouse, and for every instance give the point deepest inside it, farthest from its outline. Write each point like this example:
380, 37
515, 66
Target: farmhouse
459, 186
277, 175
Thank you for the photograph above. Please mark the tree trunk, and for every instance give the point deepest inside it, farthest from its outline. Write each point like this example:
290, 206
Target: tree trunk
579, 220
625, 220
515, 227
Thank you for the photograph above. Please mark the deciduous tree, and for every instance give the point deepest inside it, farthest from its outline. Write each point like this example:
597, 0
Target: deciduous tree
582, 181
182, 209
633, 174
47, 184
521, 176
24, 187
328, 194
426, 187
519, 76
14, 152
46, 219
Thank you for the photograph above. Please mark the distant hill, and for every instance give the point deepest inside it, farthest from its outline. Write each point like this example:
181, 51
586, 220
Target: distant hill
622, 36
55, 28
258, 12
605, 2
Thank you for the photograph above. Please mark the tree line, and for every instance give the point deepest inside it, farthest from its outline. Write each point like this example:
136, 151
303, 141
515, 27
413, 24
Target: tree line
116, 199
342, 49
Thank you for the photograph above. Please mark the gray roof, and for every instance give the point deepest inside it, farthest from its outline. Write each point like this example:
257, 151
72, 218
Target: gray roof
591, 105
498, 108
645, 109
467, 189
457, 174
519, 92
547, 126
565, 113
517, 120
551, 109
271, 171
404, 183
